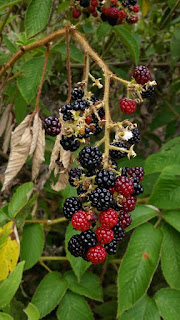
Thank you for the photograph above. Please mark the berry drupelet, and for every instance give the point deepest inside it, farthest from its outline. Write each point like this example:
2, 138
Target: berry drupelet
52, 126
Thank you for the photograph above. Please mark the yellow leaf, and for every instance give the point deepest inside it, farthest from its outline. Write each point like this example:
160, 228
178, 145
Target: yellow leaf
9, 249
145, 7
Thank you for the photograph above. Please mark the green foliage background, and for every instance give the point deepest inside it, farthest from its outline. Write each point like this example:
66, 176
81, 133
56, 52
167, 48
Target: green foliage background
146, 286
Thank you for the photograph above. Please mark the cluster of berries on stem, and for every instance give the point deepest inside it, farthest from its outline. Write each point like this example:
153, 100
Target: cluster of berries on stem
113, 11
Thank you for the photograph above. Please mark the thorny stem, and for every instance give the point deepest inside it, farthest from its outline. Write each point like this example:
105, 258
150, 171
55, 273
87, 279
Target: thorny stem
107, 116
86, 73
68, 65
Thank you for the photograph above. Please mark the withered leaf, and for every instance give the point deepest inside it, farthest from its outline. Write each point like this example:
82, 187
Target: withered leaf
4, 119
38, 156
35, 132
18, 132
9, 128
55, 155
63, 179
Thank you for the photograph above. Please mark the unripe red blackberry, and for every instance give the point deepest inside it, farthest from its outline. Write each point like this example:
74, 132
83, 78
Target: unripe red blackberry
128, 106
90, 157
96, 254
141, 75
132, 19
113, 12
124, 186
101, 198
136, 8
76, 13
136, 172
105, 179
94, 3
88, 120
104, 235
80, 221
119, 233
124, 219
52, 126
91, 9
129, 204
115, 154
108, 218
71, 205
111, 248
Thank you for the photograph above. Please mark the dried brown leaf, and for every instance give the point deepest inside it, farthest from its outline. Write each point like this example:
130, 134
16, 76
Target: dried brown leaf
55, 155
63, 179
9, 128
19, 153
38, 156
35, 132
4, 119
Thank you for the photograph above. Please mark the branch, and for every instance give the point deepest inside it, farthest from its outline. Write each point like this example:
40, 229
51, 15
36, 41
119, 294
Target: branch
68, 65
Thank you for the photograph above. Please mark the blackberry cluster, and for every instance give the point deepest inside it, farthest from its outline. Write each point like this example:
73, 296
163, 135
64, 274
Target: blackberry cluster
148, 93
116, 13
102, 209
76, 109
52, 126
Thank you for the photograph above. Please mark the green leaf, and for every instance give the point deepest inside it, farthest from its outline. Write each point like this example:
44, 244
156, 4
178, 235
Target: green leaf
169, 155
10, 285
63, 6
175, 43
75, 53
79, 265
167, 188
37, 16
32, 312
32, 244
141, 214
29, 81
172, 217
5, 316
49, 293
138, 265
73, 307
10, 46
129, 41
88, 286
88, 27
145, 309
102, 30
168, 304
7, 3
20, 199
170, 256
20, 107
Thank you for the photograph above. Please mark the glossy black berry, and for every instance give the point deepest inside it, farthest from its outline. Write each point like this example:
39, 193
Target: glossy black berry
84, 3
88, 239
66, 111
81, 105
101, 198
75, 246
138, 189
115, 154
132, 2
105, 179
148, 93
85, 135
111, 247
80, 191
74, 173
77, 94
52, 126
71, 205
119, 233
101, 113
70, 143
136, 136
90, 157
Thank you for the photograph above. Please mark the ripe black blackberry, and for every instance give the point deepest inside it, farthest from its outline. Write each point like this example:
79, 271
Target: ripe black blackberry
75, 246
115, 206
132, 2
95, 120
85, 135
71, 205
126, 3
66, 111
84, 3
119, 233
124, 171
80, 104
138, 189
77, 94
80, 191
101, 113
136, 136
111, 247
90, 157
105, 179
52, 126
74, 173
148, 93
104, 17
101, 198
115, 154
88, 239
70, 143
136, 172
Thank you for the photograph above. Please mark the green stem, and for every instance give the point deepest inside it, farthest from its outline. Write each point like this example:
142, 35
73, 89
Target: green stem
5, 19
49, 222
107, 117
53, 258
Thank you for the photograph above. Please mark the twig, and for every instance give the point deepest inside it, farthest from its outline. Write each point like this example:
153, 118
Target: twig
49, 222
53, 258
45, 266
86, 73
68, 65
